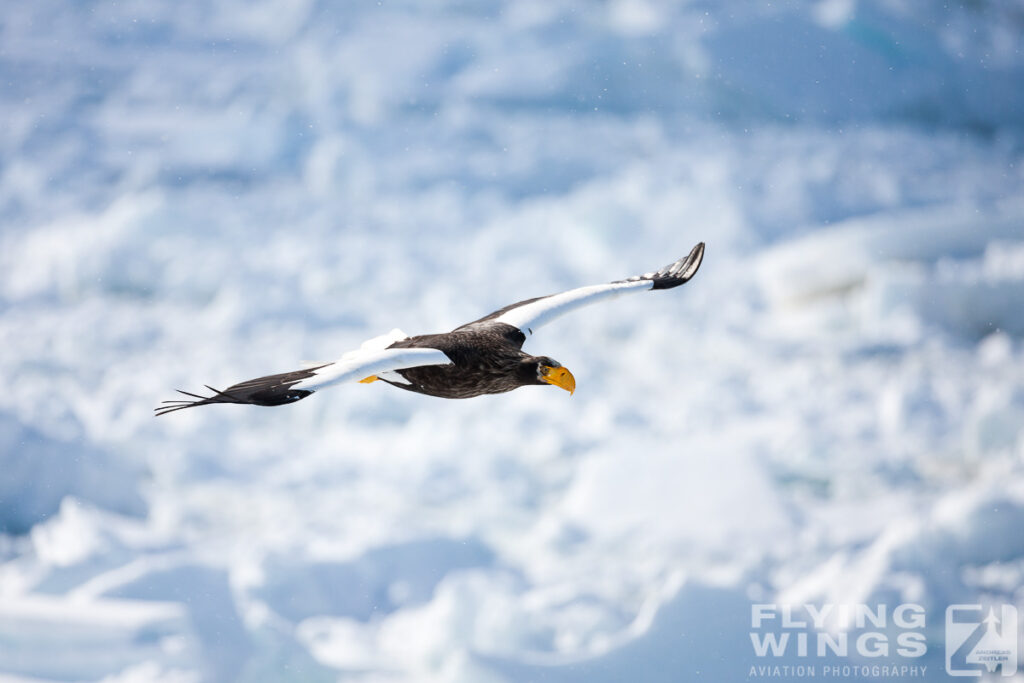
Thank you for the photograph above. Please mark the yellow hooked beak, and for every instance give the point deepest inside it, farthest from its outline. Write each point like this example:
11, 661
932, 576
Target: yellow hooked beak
560, 377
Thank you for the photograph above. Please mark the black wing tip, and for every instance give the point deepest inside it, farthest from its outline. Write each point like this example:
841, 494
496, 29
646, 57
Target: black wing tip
691, 264
678, 272
160, 412
273, 390
180, 404
675, 273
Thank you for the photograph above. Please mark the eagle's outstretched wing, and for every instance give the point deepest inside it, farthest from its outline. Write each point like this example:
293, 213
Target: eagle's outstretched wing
288, 387
531, 314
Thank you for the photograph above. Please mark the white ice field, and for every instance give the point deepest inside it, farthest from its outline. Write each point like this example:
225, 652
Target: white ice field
830, 413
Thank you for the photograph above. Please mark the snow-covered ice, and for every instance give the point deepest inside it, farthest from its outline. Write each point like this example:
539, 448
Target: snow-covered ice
831, 412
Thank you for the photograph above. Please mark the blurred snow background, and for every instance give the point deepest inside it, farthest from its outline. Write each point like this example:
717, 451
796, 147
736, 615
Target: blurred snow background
203, 192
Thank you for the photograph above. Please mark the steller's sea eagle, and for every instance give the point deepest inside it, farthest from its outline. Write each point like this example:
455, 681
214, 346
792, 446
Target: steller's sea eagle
481, 357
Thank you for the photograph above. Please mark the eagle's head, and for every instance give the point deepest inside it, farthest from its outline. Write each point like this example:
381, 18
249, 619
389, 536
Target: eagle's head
544, 370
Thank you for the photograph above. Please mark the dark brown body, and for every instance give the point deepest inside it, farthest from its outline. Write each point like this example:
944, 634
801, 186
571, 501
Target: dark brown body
486, 359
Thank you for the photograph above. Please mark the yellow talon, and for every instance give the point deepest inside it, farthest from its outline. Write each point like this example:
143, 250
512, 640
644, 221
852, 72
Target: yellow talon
371, 378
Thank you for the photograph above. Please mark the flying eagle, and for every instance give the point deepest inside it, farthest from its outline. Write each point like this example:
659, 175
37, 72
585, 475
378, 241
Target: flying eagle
481, 357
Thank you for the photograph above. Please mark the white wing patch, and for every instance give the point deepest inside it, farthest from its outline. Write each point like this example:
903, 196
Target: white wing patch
392, 376
374, 344
355, 365
532, 316
377, 343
